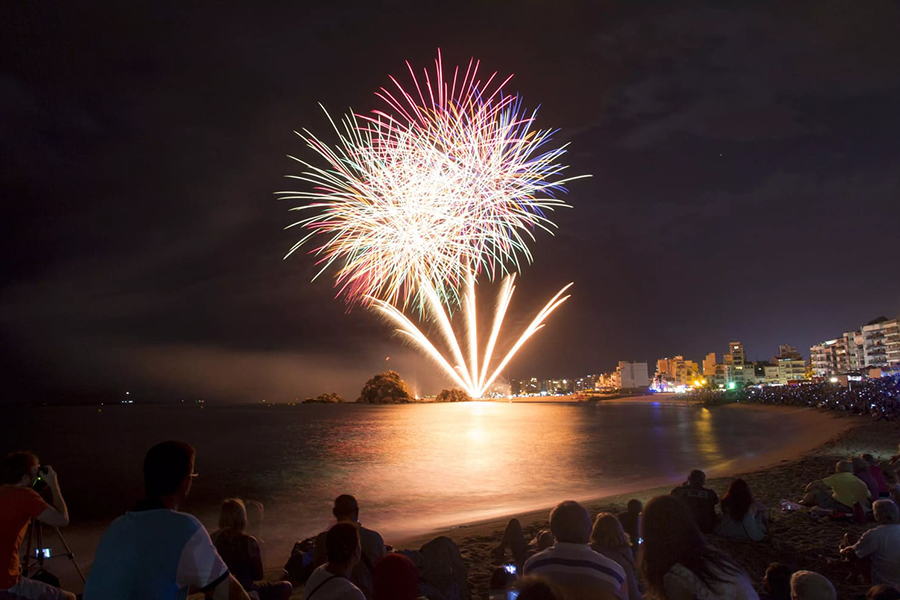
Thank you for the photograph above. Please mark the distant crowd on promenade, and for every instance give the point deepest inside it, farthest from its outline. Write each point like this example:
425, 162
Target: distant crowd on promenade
878, 398
658, 550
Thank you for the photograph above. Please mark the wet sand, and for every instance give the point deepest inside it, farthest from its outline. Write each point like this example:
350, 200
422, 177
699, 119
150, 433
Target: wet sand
794, 538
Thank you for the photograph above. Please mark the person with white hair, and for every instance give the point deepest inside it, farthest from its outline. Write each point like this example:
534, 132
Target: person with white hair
809, 585
881, 545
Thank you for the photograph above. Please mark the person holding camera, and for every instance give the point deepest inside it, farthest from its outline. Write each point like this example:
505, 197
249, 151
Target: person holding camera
19, 504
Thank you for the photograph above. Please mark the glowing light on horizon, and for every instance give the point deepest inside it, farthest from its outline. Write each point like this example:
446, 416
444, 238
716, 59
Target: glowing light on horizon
416, 201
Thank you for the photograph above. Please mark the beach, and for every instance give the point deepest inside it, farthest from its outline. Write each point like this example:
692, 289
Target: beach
794, 538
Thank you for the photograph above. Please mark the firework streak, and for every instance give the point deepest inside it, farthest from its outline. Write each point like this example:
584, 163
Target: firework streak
449, 182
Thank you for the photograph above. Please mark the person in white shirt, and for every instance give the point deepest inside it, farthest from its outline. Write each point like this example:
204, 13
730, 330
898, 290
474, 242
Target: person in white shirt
156, 552
331, 580
881, 544
571, 564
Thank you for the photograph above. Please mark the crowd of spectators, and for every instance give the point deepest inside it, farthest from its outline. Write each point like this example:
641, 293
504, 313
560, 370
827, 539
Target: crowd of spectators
661, 549
878, 397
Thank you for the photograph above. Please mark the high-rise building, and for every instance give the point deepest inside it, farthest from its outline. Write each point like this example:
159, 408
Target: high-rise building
633, 375
791, 366
881, 339
824, 357
736, 350
676, 371
709, 365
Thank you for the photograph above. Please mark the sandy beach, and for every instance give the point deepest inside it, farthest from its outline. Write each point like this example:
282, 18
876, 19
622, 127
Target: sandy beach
794, 538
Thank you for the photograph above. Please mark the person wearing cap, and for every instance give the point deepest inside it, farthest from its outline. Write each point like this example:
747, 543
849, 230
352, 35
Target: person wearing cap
701, 501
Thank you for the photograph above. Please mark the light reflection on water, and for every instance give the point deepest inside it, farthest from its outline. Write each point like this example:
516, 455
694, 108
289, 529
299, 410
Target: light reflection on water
413, 467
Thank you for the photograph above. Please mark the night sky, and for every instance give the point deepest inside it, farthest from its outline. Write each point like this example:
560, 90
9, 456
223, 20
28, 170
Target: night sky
745, 162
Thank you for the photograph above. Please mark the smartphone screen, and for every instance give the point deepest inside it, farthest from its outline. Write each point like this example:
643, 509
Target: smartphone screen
512, 594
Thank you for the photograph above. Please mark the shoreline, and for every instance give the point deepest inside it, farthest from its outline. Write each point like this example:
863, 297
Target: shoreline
793, 538
832, 427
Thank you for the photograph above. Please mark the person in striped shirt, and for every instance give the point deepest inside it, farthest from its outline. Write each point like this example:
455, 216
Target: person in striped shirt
571, 565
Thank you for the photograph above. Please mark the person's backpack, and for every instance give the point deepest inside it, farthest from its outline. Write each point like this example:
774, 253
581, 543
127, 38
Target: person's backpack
300, 564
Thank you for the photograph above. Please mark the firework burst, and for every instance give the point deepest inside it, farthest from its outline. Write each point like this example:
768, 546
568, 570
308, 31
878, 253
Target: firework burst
452, 179
420, 198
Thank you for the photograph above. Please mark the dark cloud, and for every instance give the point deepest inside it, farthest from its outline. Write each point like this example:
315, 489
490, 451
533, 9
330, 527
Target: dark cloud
745, 184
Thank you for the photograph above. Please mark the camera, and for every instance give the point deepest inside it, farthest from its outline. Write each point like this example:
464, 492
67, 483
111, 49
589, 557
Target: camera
45, 552
44, 470
510, 568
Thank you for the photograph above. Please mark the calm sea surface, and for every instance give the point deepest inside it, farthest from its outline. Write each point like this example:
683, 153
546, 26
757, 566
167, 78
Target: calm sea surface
413, 467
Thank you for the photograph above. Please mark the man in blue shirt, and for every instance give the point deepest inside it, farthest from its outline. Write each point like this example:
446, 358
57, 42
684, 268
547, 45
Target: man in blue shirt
155, 552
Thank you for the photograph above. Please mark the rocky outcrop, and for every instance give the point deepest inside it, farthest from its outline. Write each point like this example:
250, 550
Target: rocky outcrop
385, 388
326, 398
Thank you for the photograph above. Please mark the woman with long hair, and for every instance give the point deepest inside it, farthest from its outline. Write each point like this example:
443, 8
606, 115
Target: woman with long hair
678, 562
743, 518
609, 539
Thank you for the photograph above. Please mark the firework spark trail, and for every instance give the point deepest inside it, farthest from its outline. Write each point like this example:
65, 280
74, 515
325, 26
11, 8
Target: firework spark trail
466, 373
449, 182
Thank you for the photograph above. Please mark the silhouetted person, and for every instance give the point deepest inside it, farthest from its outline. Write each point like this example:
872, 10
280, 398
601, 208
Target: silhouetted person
396, 578
700, 501
537, 588
631, 522
743, 518
609, 539
571, 565
883, 592
155, 552
777, 582
19, 504
679, 563
346, 510
838, 492
809, 585
880, 545
331, 581
242, 555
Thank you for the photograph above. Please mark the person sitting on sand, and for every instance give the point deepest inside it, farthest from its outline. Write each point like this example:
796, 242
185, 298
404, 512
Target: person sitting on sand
395, 578
882, 544
346, 510
838, 492
679, 563
777, 582
883, 592
609, 539
862, 470
331, 581
700, 501
576, 570
743, 518
878, 475
20, 506
809, 585
631, 522
514, 539
155, 552
241, 553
